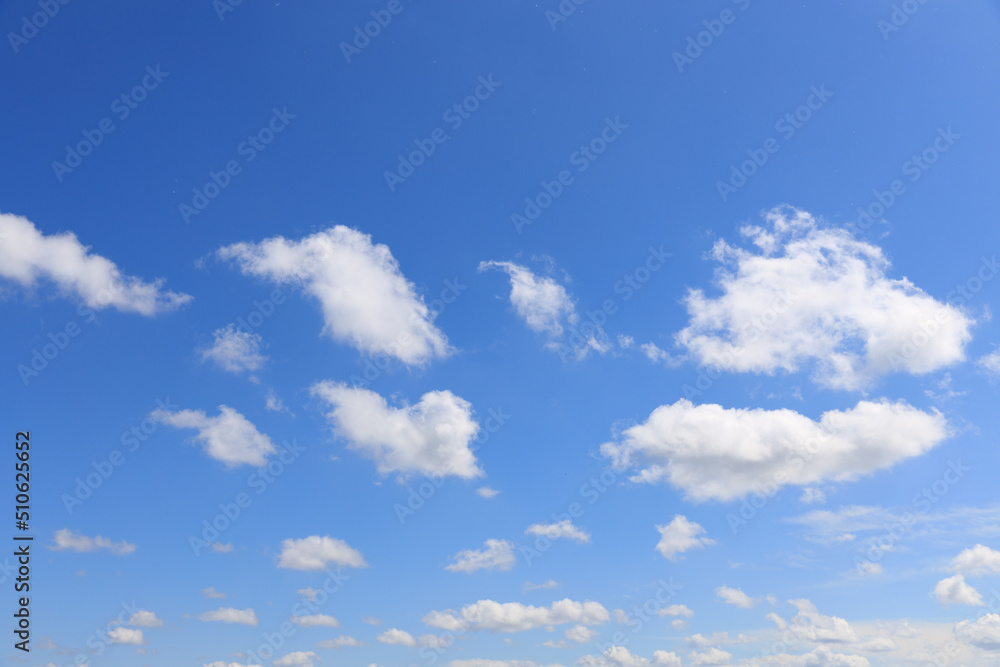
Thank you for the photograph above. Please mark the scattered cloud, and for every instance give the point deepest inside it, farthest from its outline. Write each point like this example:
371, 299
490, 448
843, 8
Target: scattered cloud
340, 642
517, 617
715, 453
396, 637
487, 492
144, 619
496, 555
815, 294
66, 539
735, 597
954, 590
680, 535
230, 615
316, 621
429, 438
316, 553
228, 437
977, 560
122, 635
27, 257
235, 351
560, 530
366, 300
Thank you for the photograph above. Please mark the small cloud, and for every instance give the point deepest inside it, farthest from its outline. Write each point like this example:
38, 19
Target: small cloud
528, 586
211, 593
66, 539
679, 536
487, 492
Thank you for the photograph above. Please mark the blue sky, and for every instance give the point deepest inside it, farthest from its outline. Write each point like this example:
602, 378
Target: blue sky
552, 334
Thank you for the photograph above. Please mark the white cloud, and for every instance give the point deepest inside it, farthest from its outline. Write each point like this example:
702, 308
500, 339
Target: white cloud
676, 610
735, 596
229, 437
479, 662
541, 302
680, 535
977, 560
144, 619
67, 539
497, 555
27, 256
812, 495
625, 342
819, 657
580, 634
619, 656
235, 351
230, 615
656, 355
315, 553
366, 300
429, 438
340, 642
867, 567
210, 592
701, 641
954, 590
516, 617
316, 621
275, 404
487, 492
546, 307
562, 529
710, 656
222, 548
711, 452
810, 625
297, 659
818, 295
122, 635
528, 586
396, 637
982, 633
990, 363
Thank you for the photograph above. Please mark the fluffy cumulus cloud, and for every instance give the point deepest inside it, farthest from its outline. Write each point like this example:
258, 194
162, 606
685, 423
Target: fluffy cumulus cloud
397, 637
297, 659
340, 642
122, 635
619, 656
495, 555
559, 530
28, 257
735, 597
809, 294
145, 619
517, 617
984, 632
810, 625
66, 539
709, 657
316, 553
977, 560
316, 621
235, 351
819, 657
366, 300
676, 610
432, 437
230, 615
546, 307
680, 535
716, 453
954, 590
228, 437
